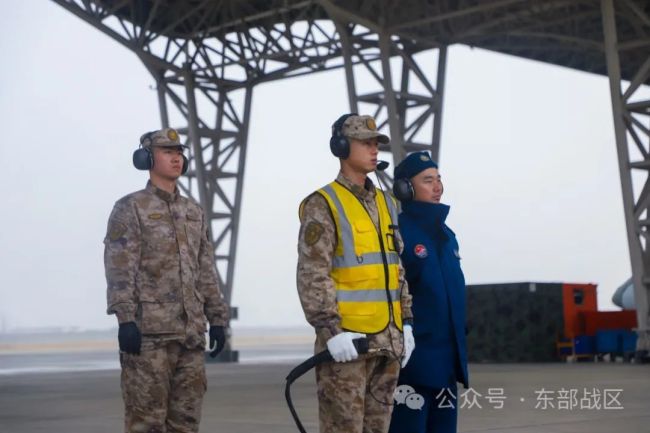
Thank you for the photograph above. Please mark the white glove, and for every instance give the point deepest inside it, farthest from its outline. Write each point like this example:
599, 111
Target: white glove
409, 344
341, 348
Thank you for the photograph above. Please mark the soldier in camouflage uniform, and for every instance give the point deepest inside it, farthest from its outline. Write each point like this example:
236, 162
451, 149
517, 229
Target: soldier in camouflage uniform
355, 393
162, 286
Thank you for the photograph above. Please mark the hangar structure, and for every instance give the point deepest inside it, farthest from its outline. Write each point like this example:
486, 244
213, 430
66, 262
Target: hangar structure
207, 56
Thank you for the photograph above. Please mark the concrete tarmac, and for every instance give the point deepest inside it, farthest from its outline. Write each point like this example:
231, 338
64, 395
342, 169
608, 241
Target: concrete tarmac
539, 398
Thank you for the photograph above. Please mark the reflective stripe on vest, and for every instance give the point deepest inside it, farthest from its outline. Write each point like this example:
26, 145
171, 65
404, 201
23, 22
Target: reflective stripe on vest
374, 295
364, 294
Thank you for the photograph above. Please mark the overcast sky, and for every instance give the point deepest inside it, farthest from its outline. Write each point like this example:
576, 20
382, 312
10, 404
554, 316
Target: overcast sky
528, 160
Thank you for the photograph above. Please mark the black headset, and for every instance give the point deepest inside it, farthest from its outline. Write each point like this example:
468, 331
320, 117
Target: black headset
143, 156
403, 189
339, 144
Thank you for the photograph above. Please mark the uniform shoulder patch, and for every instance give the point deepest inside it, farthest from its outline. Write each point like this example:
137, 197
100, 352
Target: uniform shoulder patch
116, 230
313, 232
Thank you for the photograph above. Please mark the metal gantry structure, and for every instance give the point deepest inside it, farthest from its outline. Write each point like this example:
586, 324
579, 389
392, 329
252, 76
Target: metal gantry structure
207, 57
632, 119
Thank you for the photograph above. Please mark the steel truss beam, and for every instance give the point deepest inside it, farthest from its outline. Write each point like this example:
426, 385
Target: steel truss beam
412, 109
217, 137
632, 130
205, 87
208, 73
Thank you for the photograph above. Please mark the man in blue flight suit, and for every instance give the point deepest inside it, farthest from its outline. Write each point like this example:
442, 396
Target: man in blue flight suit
426, 396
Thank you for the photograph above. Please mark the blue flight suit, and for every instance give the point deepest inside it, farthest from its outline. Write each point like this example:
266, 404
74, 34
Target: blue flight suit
437, 284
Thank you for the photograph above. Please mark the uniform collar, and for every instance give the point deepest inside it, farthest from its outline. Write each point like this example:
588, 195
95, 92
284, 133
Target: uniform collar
430, 216
161, 193
367, 192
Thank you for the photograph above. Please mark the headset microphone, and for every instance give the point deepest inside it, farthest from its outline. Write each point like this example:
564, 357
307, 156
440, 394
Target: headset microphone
382, 165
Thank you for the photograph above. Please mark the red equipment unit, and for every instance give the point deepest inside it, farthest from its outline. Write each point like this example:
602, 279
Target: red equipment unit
593, 321
577, 299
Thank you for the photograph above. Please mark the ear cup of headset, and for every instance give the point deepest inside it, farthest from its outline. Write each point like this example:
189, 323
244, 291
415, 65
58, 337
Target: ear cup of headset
403, 190
143, 159
339, 144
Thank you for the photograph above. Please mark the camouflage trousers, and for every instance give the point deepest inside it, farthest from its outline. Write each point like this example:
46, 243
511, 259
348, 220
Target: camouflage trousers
163, 389
356, 396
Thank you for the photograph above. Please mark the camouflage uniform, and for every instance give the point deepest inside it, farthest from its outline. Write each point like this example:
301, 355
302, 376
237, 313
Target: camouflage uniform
357, 396
161, 274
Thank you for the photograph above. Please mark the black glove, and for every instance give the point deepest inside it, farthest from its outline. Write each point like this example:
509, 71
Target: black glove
130, 338
217, 340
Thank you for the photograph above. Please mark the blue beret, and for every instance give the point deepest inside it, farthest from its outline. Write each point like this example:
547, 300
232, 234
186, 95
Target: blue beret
414, 164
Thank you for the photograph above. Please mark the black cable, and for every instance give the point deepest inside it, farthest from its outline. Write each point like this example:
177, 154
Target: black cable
391, 353
361, 344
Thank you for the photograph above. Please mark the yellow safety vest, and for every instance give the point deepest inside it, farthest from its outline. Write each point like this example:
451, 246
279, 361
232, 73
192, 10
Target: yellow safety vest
365, 267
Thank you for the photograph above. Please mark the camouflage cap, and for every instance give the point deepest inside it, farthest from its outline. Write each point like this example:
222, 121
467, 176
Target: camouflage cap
362, 128
166, 137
